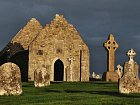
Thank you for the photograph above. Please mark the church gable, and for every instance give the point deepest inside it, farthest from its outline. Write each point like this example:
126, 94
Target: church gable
58, 29
21, 41
26, 35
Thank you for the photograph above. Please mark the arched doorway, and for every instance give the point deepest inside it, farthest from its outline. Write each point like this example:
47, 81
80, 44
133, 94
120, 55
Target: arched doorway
58, 70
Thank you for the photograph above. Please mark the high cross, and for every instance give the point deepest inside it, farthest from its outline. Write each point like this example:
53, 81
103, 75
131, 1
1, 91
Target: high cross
111, 46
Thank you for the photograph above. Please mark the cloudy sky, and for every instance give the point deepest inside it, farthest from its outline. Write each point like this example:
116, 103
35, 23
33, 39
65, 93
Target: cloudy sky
94, 19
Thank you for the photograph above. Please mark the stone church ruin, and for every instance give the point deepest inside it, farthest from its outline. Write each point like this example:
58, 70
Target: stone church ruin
57, 48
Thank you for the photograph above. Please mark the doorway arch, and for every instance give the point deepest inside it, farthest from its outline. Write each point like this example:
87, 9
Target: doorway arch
58, 70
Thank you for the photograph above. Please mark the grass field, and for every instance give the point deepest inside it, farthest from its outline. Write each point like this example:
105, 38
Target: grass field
90, 93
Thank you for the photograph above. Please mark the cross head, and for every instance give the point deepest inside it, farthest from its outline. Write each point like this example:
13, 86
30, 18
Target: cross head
131, 53
71, 59
111, 44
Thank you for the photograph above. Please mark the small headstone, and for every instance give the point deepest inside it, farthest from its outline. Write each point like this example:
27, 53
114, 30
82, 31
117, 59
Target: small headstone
98, 76
10, 79
93, 75
119, 70
41, 77
129, 83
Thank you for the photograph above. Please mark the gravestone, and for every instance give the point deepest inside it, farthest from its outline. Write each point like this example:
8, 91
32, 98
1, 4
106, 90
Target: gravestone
129, 83
119, 70
111, 46
98, 76
93, 75
41, 77
10, 79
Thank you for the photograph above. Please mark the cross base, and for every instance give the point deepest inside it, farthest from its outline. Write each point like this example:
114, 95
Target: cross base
110, 76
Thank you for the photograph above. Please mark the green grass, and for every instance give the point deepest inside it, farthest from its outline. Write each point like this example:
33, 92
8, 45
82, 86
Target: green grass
72, 93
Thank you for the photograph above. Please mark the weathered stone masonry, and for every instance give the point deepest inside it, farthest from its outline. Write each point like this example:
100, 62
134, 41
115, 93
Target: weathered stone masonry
57, 47
59, 42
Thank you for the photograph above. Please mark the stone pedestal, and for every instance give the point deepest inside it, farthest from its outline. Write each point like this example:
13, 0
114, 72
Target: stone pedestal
110, 76
10, 79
